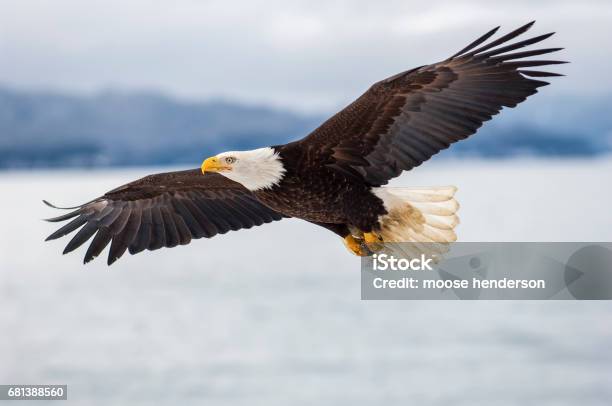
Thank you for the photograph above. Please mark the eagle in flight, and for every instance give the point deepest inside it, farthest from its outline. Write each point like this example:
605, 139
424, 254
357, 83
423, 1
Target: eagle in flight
335, 176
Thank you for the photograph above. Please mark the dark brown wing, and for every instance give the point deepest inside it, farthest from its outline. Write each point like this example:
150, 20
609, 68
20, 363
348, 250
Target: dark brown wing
402, 121
162, 210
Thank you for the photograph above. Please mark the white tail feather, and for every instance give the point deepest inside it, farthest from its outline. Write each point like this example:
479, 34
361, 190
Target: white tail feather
418, 214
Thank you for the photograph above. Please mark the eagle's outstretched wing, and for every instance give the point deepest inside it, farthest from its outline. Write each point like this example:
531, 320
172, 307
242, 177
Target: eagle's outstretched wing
402, 121
162, 210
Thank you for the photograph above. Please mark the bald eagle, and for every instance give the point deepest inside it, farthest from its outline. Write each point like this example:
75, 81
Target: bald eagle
335, 176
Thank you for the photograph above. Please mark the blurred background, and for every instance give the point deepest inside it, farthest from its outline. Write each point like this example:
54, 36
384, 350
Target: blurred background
94, 94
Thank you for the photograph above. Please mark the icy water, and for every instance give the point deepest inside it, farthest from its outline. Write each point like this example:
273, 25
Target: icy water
272, 316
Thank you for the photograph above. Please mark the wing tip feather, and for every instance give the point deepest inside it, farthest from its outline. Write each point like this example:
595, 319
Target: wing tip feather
532, 73
476, 42
61, 208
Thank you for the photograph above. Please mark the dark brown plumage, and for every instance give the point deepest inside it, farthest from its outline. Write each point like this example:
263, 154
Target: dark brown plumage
400, 122
162, 210
333, 176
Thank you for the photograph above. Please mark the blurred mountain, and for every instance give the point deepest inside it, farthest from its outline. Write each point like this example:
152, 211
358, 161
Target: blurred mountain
42, 129
113, 128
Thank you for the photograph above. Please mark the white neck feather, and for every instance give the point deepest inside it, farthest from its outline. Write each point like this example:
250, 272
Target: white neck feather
257, 169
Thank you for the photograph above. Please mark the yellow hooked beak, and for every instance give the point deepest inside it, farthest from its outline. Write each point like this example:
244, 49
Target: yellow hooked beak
213, 164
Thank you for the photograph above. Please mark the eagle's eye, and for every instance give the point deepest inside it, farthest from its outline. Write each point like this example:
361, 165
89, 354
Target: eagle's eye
230, 160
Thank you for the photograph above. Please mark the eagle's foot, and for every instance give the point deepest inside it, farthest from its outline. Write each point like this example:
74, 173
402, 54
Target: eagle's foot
373, 241
356, 245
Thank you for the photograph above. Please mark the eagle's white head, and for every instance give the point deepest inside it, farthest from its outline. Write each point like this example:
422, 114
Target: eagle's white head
257, 169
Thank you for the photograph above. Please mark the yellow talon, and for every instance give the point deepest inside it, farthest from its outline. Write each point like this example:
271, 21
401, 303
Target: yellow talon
354, 245
373, 241
372, 238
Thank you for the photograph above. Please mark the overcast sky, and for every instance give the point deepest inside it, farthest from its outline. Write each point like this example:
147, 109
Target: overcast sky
306, 55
